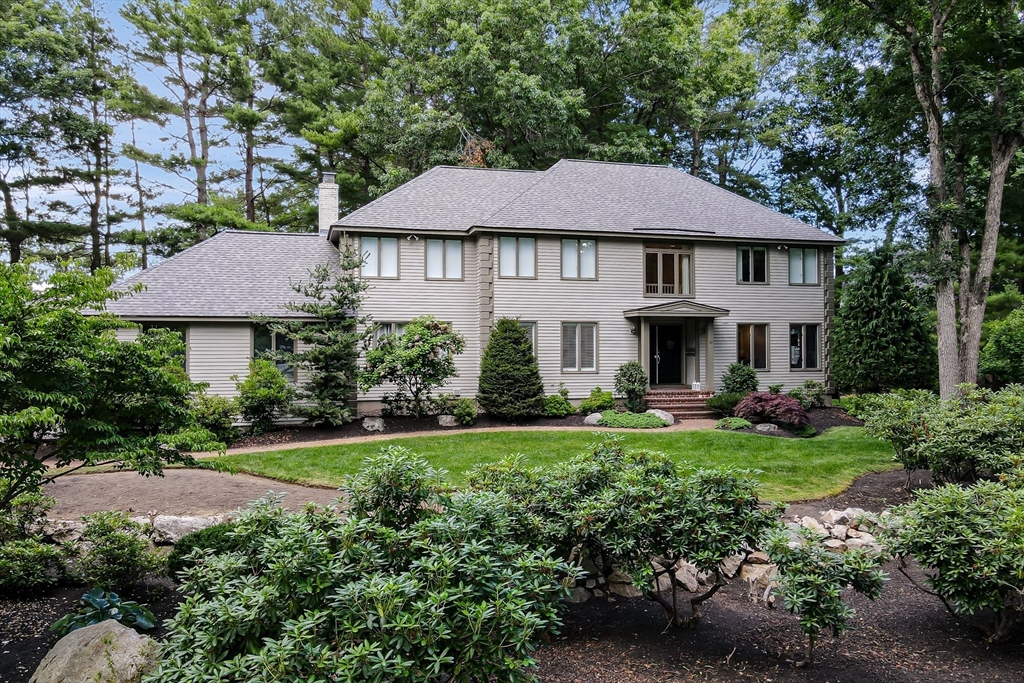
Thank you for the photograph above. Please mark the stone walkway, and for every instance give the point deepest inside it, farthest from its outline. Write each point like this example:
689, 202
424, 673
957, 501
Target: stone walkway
682, 425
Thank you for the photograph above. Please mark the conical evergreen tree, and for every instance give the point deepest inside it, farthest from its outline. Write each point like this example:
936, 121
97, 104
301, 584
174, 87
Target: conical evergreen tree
510, 383
881, 338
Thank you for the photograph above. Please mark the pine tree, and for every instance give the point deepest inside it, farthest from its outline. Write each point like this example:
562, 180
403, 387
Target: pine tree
881, 340
510, 383
328, 346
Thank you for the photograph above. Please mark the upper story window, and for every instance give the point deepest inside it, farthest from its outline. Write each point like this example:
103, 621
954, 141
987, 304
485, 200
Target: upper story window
803, 266
751, 265
444, 259
380, 256
668, 272
517, 257
265, 342
579, 259
530, 328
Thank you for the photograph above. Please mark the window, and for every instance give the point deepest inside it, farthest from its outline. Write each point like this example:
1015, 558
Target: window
751, 264
803, 266
265, 342
516, 256
803, 347
579, 347
380, 256
387, 328
531, 332
668, 272
444, 259
579, 259
752, 346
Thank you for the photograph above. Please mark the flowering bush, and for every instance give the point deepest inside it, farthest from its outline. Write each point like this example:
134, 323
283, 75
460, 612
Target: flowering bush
772, 408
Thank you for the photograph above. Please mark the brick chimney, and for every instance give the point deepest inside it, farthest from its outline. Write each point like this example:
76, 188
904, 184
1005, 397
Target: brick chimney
328, 199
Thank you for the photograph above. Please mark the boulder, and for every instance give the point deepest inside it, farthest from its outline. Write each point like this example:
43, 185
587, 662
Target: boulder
731, 565
869, 543
665, 583
578, 595
63, 530
621, 583
686, 576
839, 531
373, 424
592, 419
106, 651
835, 545
767, 427
814, 525
447, 421
758, 557
760, 580
168, 529
667, 417
846, 517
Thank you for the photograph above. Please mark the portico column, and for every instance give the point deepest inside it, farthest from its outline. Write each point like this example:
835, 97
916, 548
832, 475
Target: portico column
645, 345
709, 355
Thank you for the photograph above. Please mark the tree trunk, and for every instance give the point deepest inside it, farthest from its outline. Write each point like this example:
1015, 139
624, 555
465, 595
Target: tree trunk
975, 292
250, 195
695, 156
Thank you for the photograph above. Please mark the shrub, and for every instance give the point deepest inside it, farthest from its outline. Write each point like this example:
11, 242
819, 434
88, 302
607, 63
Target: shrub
775, 388
216, 414
117, 553
598, 402
510, 383
1003, 355
610, 418
264, 395
970, 542
97, 606
976, 433
217, 538
411, 585
739, 378
558, 405
812, 579
24, 516
733, 423
27, 565
465, 411
631, 383
810, 395
772, 407
416, 362
724, 403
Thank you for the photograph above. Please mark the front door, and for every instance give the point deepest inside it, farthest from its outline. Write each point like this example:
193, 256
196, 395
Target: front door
666, 354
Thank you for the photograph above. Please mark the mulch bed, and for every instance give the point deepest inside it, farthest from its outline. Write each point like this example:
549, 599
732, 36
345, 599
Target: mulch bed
25, 635
821, 419
393, 425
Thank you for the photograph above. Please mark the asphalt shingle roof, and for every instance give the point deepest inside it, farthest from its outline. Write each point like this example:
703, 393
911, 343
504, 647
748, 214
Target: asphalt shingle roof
573, 195
443, 198
231, 275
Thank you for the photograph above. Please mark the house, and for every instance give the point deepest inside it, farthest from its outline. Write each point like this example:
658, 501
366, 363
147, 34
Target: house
602, 263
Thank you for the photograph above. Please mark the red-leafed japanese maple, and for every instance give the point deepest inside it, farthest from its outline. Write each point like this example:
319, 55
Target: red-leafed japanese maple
766, 407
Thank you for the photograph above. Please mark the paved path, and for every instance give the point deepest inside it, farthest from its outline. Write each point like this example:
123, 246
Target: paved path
680, 426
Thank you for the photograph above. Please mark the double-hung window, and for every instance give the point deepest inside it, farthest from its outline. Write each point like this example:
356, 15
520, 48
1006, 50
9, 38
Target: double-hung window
751, 265
380, 256
265, 343
517, 257
803, 347
531, 332
668, 272
579, 259
384, 329
579, 347
752, 345
444, 259
803, 266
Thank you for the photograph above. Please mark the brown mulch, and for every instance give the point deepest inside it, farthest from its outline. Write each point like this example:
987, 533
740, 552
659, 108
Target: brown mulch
821, 419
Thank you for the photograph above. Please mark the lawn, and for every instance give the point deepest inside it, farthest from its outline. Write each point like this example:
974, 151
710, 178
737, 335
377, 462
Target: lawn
791, 469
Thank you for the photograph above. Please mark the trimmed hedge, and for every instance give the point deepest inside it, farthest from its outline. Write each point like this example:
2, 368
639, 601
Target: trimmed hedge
610, 418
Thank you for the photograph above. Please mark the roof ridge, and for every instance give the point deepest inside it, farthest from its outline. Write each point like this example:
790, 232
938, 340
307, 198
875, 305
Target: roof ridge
484, 168
540, 176
266, 232
615, 163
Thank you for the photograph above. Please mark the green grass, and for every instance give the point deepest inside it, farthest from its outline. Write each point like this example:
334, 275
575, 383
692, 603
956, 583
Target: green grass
792, 469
